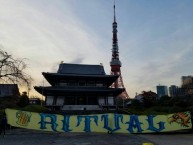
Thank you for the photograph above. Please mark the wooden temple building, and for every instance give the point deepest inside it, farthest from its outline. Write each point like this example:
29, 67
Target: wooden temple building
79, 87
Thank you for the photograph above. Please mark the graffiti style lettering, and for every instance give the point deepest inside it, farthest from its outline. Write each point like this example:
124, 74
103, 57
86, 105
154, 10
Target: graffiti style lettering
117, 119
66, 123
134, 123
43, 121
151, 124
110, 123
87, 122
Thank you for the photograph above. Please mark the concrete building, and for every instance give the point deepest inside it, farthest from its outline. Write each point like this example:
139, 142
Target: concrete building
187, 85
186, 80
34, 101
173, 90
162, 91
9, 90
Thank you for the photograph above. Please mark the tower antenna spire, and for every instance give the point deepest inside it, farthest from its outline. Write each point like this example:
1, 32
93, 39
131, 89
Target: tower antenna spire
114, 12
115, 63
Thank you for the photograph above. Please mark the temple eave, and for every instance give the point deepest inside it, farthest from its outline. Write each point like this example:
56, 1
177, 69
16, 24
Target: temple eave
52, 78
62, 91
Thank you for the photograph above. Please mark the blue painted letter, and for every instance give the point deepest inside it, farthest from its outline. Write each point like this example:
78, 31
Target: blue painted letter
151, 127
43, 121
66, 123
87, 121
117, 119
134, 123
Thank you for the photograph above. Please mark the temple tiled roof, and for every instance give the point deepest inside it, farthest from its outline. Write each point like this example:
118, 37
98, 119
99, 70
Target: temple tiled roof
9, 90
52, 78
77, 90
84, 69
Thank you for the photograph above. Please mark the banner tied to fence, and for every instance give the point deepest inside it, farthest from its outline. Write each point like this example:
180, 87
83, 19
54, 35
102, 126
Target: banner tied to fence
114, 123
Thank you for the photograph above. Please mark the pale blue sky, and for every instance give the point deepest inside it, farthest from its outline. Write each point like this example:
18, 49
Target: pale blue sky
155, 37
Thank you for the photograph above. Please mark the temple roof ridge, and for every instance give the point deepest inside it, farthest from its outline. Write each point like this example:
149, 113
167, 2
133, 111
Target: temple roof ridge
69, 68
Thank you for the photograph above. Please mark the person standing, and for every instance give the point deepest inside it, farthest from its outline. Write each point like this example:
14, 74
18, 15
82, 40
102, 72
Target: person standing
3, 124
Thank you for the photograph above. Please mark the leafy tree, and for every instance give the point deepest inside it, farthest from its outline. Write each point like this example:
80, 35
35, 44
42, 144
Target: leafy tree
136, 103
119, 101
164, 101
24, 100
8, 102
13, 70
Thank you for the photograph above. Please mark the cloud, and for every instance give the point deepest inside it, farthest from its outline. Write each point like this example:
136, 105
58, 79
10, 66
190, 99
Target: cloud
46, 34
77, 60
155, 46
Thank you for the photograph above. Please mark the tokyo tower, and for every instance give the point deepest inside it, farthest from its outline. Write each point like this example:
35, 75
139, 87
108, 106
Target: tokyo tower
115, 63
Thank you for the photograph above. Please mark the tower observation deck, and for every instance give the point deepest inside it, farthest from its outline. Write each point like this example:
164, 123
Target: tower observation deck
115, 63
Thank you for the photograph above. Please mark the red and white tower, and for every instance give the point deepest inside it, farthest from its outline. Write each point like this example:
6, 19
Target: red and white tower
115, 62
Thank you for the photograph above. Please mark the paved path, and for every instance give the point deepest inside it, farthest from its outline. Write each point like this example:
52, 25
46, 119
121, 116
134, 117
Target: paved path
30, 137
169, 139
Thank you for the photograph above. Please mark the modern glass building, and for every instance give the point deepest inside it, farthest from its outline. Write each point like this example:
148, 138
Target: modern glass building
162, 91
173, 90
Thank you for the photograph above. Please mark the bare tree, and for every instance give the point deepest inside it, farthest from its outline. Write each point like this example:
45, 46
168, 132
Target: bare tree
13, 70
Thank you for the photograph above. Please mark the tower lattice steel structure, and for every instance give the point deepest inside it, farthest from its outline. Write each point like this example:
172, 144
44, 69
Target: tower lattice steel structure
115, 63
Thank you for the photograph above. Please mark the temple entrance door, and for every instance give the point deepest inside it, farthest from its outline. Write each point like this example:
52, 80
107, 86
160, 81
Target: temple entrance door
82, 100
70, 100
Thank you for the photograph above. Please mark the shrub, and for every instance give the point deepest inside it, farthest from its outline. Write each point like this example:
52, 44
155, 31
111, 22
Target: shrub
176, 109
35, 108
